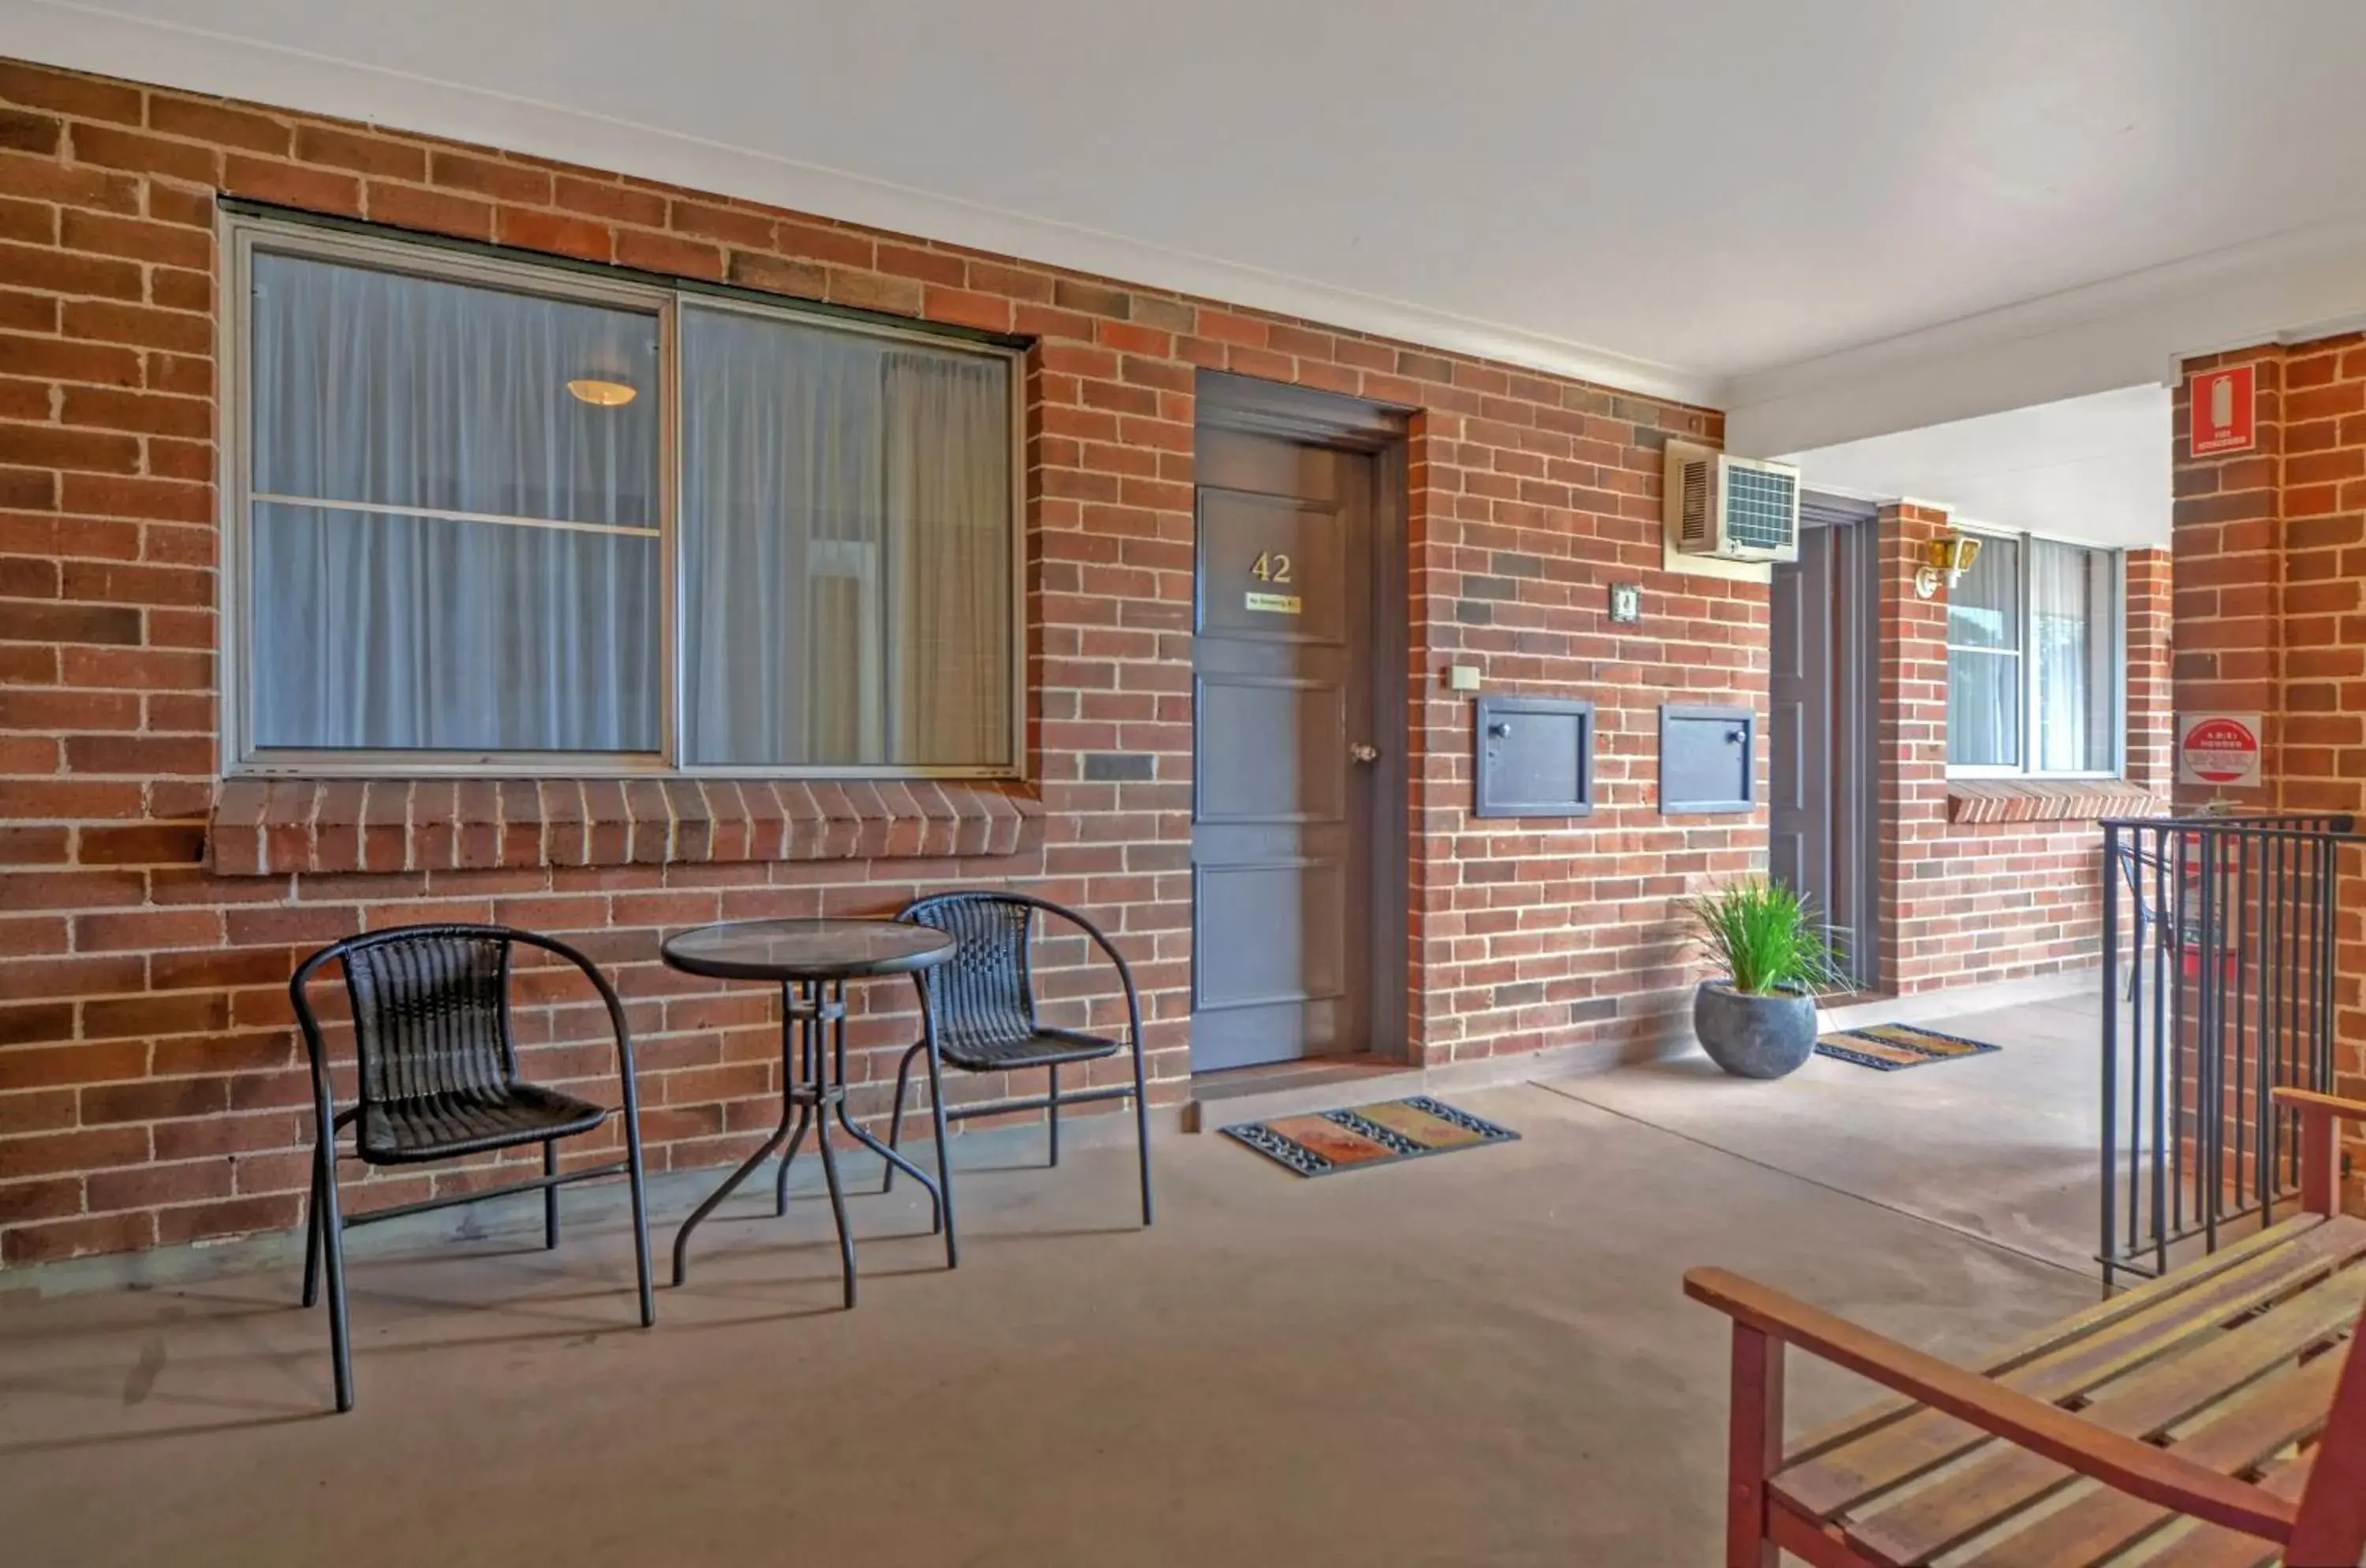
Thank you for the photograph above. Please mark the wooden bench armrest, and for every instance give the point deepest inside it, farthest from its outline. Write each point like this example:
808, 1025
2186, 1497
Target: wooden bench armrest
2122, 1462
2320, 1151
2308, 1101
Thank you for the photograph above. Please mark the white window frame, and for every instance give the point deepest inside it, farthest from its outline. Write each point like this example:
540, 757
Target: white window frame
2116, 629
243, 234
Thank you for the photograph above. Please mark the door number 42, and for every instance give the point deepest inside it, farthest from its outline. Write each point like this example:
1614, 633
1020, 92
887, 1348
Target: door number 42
1272, 566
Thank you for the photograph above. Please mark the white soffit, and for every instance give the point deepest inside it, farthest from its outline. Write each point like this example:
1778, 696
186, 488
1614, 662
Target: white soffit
2079, 342
1832, 217
2094, 469
176, 44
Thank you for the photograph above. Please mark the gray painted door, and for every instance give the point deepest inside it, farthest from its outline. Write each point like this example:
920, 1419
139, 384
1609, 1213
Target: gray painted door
1281, 700
1800, 728
1819, 736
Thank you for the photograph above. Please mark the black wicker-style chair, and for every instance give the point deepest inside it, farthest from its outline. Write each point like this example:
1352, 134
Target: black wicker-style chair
439, 1078
978, 1013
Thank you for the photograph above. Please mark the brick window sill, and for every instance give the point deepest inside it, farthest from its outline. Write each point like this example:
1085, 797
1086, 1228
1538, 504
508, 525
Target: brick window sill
2045, 800
273, 827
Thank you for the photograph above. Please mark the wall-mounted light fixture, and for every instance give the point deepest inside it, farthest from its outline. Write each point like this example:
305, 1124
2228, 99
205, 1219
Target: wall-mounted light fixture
602, 394
1946, 558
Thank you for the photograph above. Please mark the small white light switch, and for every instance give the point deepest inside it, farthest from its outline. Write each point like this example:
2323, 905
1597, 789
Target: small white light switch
1461, 677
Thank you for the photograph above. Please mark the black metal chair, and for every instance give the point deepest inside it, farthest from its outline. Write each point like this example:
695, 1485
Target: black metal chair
977, 1012
439, 1078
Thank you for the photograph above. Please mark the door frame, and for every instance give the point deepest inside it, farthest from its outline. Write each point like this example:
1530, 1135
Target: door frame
1249, 406
1856, 719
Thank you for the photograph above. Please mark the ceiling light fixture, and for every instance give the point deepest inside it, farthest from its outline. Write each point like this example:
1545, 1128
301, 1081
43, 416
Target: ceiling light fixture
602, 394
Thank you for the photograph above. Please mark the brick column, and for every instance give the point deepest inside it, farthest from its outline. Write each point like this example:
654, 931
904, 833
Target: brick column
1910, 768
2317, 731
1437, 770
2150, 726
2227, 537
2270, 615
2320, 765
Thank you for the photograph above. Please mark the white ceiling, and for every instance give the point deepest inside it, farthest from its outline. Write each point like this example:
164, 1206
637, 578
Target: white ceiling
2094, 469
1689, 198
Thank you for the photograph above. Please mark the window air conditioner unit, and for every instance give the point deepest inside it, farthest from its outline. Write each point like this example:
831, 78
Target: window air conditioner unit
1731, 508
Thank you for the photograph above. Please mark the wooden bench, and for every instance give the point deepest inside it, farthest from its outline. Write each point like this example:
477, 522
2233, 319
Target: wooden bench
2211, 1419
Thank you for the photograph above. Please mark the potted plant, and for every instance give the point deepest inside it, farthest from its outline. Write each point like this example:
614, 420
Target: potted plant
1757, 1018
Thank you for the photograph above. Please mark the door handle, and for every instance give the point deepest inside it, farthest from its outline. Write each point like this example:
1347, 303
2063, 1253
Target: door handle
1363, 752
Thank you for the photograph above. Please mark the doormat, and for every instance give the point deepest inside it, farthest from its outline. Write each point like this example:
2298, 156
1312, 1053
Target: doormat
1887, 1047
1328, 1142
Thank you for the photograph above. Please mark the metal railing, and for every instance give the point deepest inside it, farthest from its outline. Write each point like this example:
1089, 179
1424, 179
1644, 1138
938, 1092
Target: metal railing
2219, 942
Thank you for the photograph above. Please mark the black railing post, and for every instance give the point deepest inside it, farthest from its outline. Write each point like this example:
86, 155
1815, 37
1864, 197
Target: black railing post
2110, 1053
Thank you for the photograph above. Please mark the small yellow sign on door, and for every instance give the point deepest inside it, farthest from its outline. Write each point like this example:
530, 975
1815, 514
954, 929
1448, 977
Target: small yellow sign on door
1277, 604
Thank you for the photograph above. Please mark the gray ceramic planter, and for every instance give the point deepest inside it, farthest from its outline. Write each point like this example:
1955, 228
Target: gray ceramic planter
1753, 1037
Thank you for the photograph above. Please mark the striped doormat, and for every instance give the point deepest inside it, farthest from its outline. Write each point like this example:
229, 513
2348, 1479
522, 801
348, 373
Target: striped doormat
1382, 1133
1889, 1047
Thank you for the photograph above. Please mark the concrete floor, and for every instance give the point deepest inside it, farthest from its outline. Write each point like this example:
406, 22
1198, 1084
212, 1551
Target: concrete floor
1481, 1359
2001, 1146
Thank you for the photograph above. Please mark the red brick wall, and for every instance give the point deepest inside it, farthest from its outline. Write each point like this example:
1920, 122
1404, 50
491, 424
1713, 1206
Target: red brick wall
150, 1087
2271, 614
2229, 532
2151, 702
1977, 886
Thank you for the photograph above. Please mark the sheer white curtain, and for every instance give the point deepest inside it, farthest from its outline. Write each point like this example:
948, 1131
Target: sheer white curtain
387, 628
1984, 655
2072, 603
846, 508
948, 505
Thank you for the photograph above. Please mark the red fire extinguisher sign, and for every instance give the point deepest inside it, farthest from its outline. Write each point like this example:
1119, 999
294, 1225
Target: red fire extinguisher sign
2224, 410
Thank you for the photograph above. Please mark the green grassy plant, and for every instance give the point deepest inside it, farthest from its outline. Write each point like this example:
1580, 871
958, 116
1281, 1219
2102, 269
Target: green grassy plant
1765, 938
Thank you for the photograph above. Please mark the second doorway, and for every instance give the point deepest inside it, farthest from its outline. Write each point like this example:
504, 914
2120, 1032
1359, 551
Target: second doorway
1824, 667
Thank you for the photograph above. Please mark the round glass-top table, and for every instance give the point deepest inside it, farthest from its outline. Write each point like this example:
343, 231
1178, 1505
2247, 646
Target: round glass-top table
811, 961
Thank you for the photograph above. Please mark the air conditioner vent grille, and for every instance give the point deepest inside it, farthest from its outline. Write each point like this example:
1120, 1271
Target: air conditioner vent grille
1759, 507
1694, 528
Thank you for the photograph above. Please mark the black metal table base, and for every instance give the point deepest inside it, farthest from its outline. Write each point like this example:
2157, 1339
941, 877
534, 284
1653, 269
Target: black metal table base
813, 1073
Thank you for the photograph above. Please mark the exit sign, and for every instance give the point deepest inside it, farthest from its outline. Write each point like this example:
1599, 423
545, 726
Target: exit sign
2222, 410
